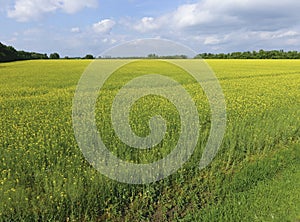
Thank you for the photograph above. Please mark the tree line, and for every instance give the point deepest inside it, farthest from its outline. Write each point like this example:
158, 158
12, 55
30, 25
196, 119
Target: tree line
150, 56
9, 53
261, 54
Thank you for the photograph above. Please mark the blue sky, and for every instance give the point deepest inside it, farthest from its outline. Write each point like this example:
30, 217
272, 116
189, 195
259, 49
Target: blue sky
76, 27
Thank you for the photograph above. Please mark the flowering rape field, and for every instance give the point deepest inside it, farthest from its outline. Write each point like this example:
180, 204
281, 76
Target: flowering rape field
255, 175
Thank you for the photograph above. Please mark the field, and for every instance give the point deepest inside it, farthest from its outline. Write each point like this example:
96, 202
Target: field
254, 177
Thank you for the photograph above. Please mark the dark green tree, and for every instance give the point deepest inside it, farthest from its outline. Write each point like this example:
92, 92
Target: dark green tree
152, 56
88, 56
54, 56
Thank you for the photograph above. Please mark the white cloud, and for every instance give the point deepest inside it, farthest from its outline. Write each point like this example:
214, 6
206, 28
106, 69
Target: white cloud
185, 16
230, 24
288, 34
211, 40
276, 34
213, 14
73, 6
190, 15
75, 30
109, 41
205, 25
26, 10
104, 26
147, 24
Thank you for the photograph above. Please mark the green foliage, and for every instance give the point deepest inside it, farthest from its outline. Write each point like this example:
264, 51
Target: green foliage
89, 56
154, 56
150, 56
54, 55
261, 54
255, 176
8, 53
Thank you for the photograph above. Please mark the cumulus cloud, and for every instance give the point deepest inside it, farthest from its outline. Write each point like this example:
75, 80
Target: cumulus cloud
147, 24
209, 25
215, 22
26, 10
104, 26
267, 14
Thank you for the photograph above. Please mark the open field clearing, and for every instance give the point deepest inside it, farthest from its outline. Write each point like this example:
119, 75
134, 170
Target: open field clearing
254, 177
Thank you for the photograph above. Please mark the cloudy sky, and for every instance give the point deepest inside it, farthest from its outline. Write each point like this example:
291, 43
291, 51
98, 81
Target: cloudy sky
79, 27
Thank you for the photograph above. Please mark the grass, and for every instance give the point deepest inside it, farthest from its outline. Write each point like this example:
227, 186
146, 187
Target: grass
254, 177
254, 194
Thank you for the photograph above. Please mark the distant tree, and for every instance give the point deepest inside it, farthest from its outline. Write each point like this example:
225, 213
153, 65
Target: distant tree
54, 56
88, 56
8, 53
152, 56
155, 56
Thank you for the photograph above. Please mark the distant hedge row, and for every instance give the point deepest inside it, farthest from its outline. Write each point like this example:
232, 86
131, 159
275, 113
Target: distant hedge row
9, 53
261, 54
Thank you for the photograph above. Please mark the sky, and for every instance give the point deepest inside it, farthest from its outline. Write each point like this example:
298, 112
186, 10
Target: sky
77, 28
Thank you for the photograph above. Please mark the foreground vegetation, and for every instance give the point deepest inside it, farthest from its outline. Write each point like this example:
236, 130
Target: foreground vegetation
255, 176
